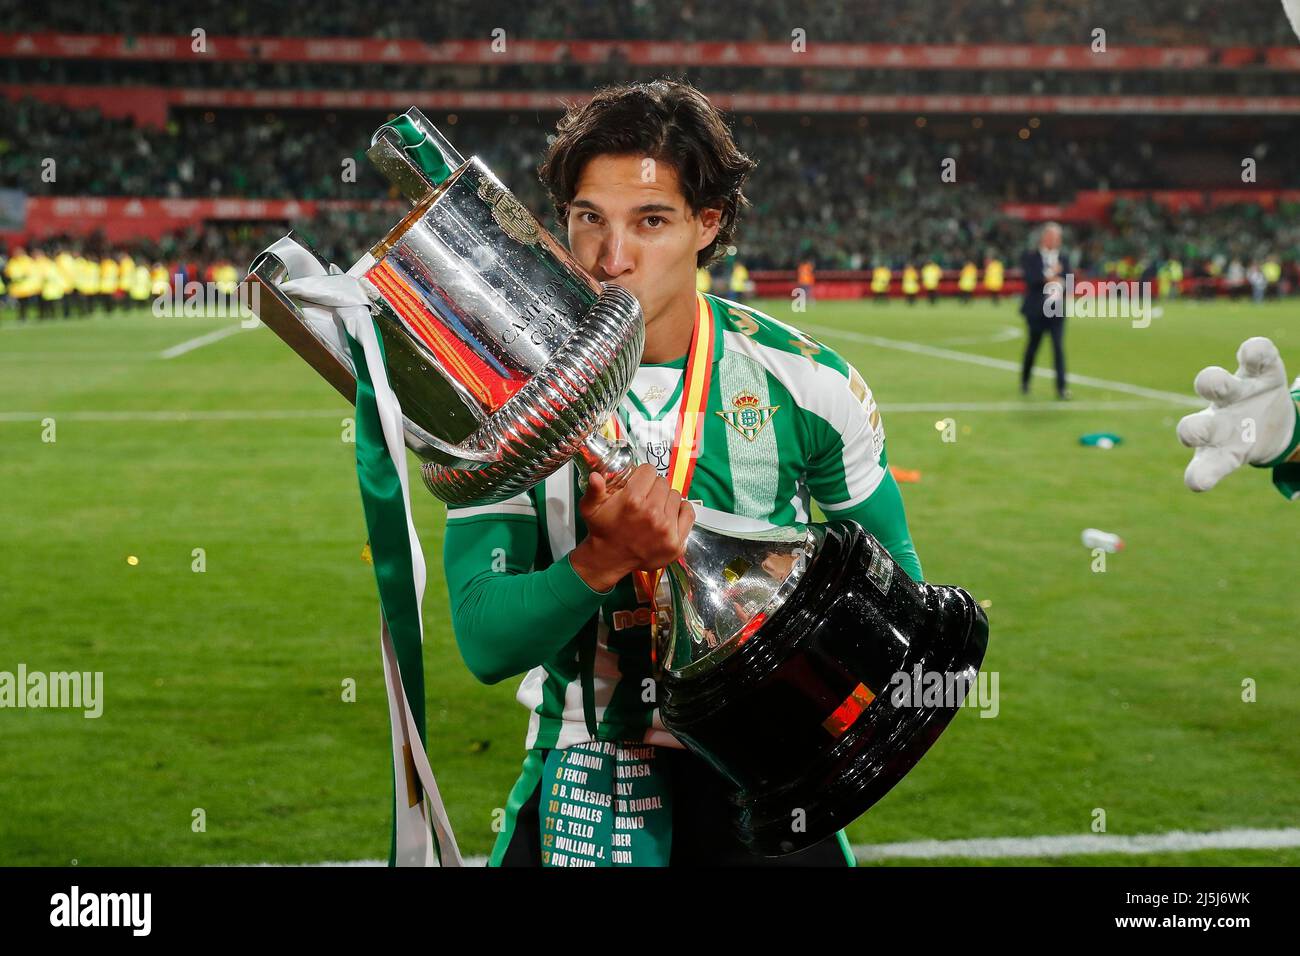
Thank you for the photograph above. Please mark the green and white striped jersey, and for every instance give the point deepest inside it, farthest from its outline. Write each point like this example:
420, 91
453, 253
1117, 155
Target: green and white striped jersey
788, 422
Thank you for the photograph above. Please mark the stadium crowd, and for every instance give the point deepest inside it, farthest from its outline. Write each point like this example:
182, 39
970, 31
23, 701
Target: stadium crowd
1152, 22
1237, 250
837, 192
259, 154
854, 192
565, 76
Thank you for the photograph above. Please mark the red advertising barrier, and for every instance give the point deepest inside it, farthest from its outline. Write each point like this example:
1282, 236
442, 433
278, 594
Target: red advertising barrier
122, 218
144, 105
507, 49
1092, 205
126, 217
779, 284
149, 105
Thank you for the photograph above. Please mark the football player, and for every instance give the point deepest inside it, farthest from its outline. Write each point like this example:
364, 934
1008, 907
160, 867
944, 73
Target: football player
648, 181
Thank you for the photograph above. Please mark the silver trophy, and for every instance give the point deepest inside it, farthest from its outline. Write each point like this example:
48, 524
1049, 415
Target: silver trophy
508, 358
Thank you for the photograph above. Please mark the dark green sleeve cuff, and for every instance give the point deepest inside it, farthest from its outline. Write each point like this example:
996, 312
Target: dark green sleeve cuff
571, 591
1286, 466
1286, 478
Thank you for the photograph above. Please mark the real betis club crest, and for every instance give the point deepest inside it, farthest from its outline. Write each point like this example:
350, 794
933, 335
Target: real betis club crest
747, 416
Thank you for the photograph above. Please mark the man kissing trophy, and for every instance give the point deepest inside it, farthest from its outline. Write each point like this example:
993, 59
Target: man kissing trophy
471, 336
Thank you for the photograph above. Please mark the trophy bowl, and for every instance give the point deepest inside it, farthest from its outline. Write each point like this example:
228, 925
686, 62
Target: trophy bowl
506, 354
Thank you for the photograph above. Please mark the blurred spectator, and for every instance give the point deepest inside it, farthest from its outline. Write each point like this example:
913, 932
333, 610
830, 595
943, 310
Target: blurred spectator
1153, 22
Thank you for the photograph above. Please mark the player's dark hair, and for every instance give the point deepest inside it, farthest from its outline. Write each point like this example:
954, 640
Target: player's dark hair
668, 121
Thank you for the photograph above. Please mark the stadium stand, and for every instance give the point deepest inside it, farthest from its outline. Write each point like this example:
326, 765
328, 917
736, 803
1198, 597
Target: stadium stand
845, 186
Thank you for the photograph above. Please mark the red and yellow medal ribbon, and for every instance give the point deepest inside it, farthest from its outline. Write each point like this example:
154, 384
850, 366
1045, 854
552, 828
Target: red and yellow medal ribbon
690, 433
695, 398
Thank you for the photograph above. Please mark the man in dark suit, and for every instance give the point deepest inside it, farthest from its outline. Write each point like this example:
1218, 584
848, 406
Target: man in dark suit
1043, 306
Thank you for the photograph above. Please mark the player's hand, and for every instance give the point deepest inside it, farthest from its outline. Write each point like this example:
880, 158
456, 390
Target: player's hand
641, 526
1251, 417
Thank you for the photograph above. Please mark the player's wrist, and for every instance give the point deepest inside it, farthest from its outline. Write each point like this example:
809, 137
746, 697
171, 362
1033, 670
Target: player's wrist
1292, 444
596, 564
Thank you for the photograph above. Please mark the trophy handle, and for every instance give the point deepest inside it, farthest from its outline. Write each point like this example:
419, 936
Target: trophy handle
325, 349
612, 457
413, 155
327, 353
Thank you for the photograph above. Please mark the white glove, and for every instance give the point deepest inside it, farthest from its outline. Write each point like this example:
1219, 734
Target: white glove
1251, 417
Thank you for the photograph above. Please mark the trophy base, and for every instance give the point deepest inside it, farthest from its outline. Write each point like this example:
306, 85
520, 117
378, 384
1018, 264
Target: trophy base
875, 753
807, 719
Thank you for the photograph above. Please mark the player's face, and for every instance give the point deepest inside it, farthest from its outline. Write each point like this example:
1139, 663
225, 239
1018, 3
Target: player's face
629, 224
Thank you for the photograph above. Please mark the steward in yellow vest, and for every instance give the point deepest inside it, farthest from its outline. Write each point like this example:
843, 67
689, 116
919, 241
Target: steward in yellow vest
159, 280
125, 277
993, 278
141, 285
930, 276
51, 285
968, 281
910, 284
107, 283
24, 282
739, 283
880, 277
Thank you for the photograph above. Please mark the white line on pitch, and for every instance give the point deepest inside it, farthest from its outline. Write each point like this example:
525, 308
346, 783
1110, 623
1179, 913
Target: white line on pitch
198, 343
1020, 406
1004, 364
255, 414
17, 357
468, 860
1008, 333
174, 415
1177, 841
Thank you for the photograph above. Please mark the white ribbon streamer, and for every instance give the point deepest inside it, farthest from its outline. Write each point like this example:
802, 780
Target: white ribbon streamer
332, 301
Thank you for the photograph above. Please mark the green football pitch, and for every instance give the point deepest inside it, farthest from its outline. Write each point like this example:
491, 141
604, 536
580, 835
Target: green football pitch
1120, 691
